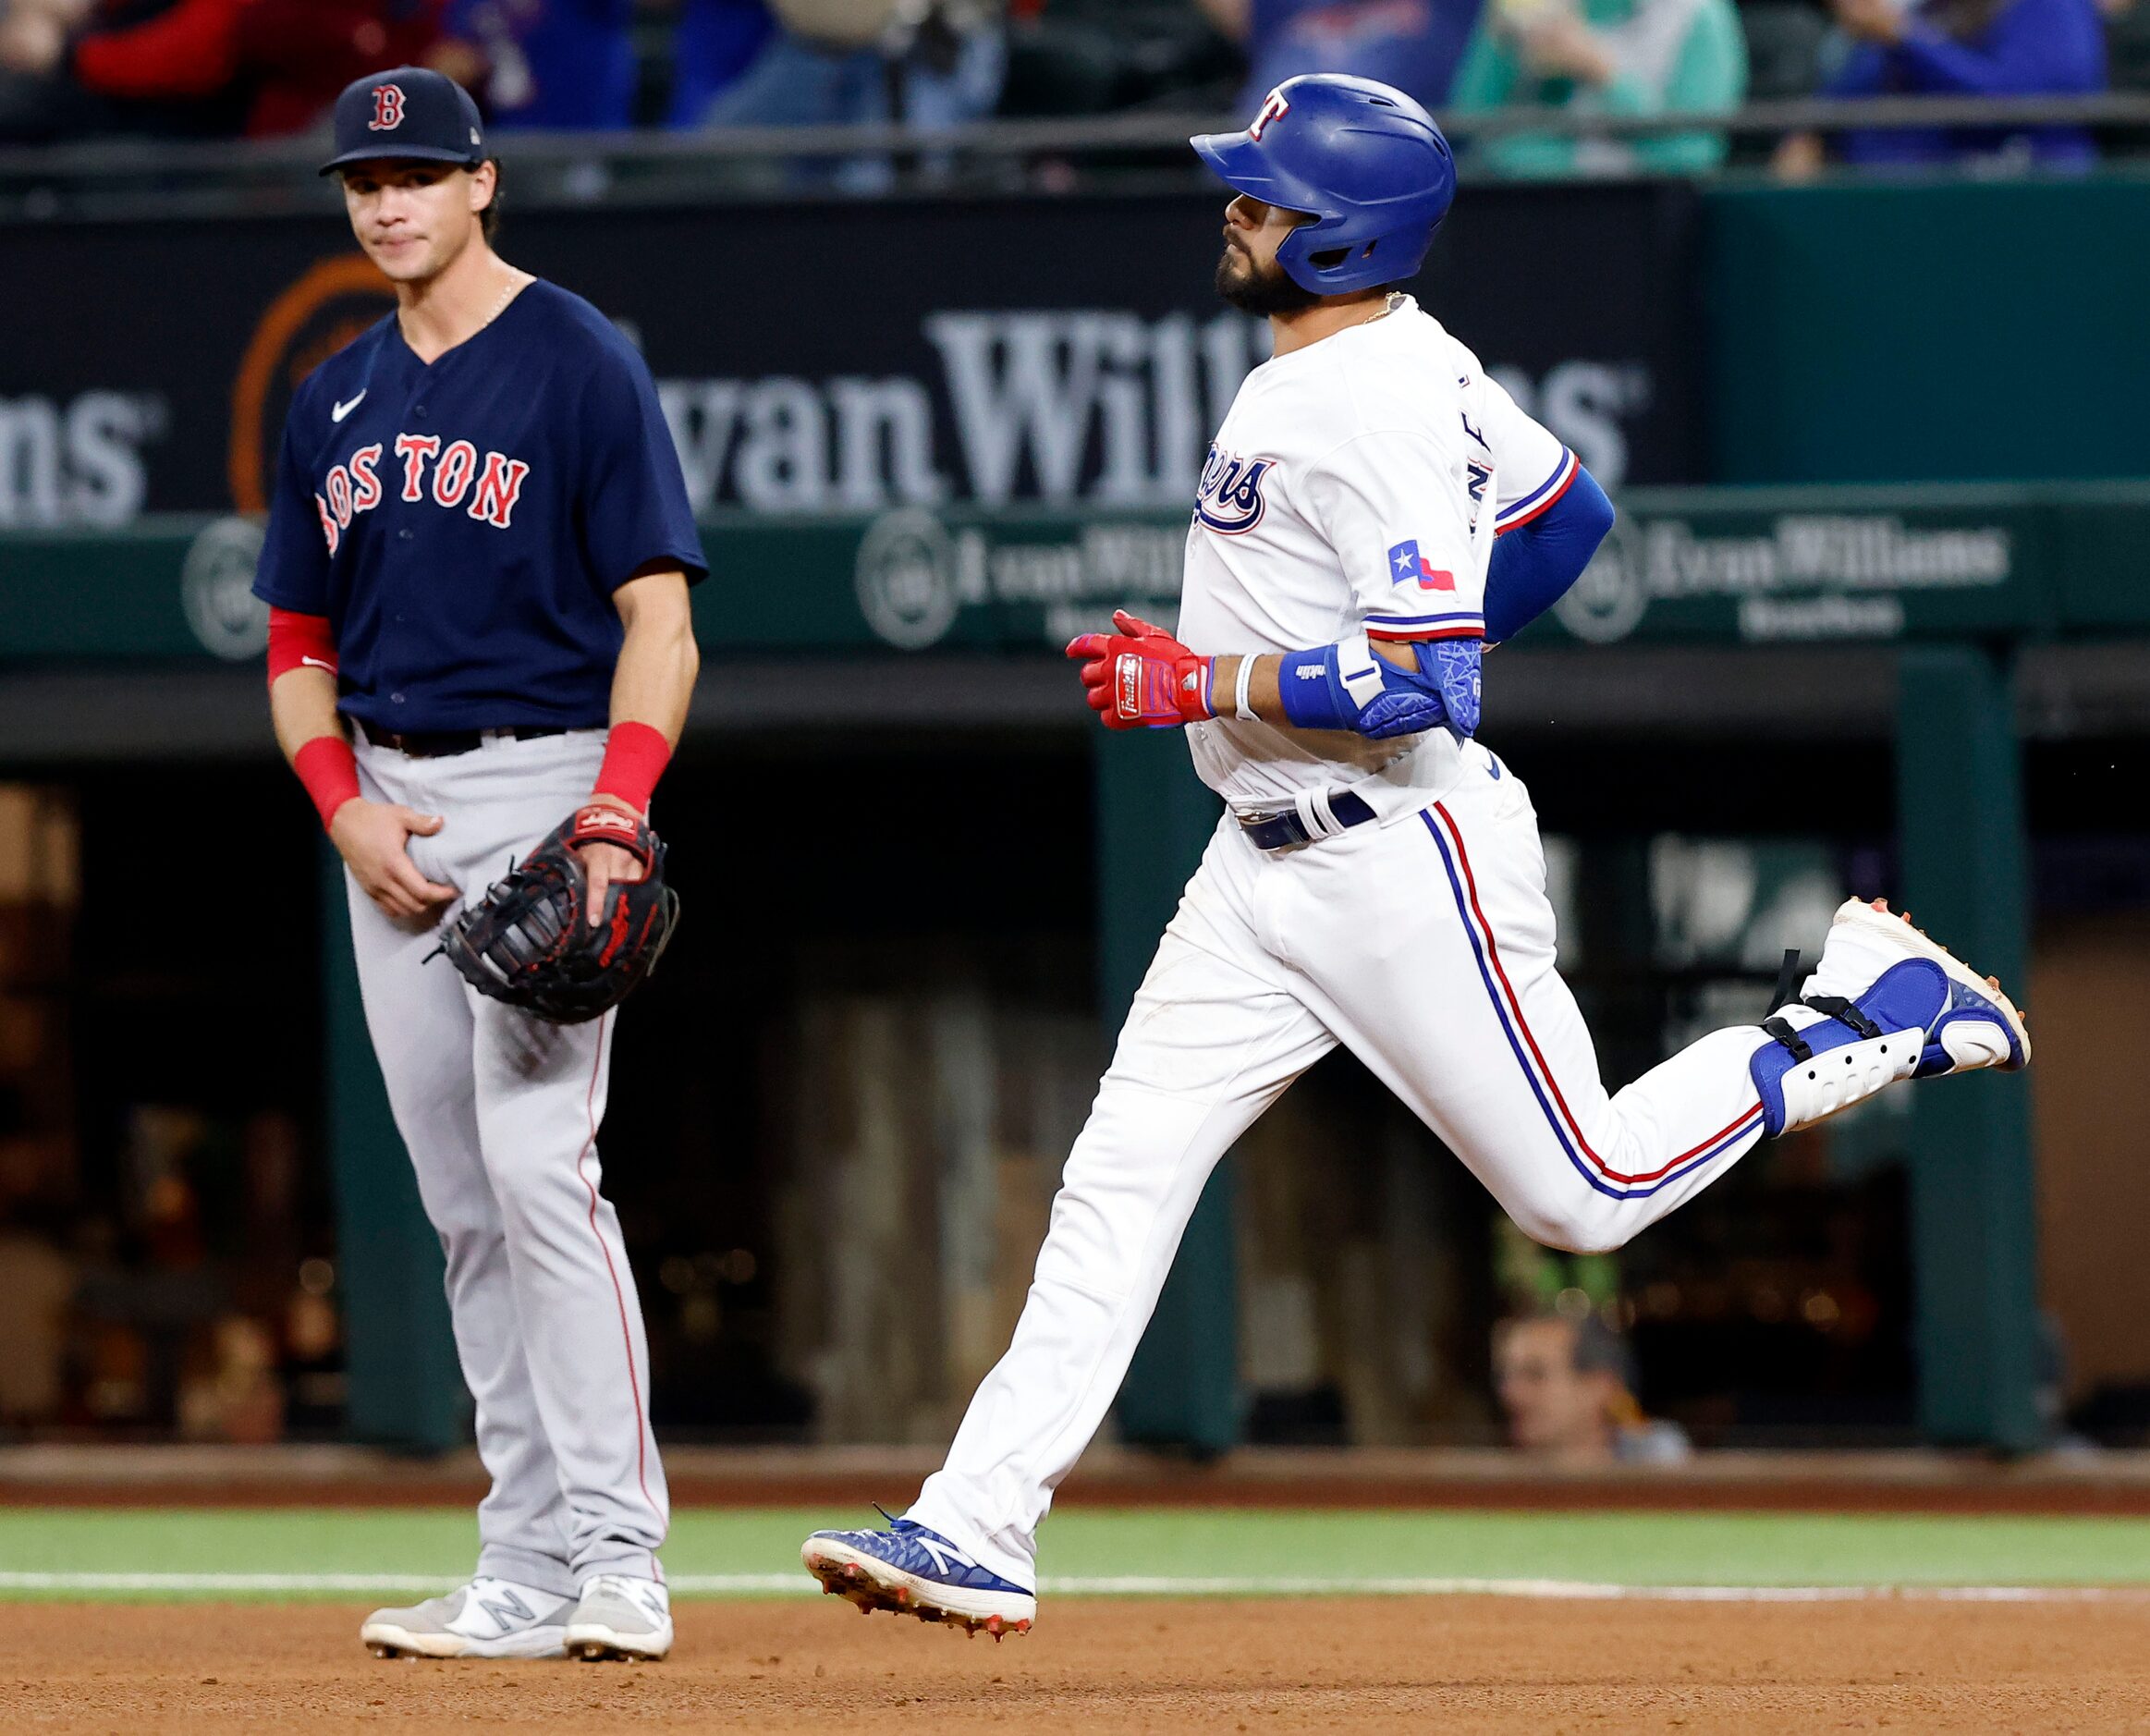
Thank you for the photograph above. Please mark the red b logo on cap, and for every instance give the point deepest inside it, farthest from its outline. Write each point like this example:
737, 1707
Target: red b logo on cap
387, 109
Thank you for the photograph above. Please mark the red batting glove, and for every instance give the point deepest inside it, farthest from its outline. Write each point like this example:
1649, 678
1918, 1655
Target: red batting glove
1142, 678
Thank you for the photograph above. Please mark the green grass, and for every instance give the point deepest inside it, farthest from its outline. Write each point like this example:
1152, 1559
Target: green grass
1086, 1543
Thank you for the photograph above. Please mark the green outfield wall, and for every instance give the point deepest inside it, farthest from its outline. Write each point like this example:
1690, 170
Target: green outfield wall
1714, 565
1917, 330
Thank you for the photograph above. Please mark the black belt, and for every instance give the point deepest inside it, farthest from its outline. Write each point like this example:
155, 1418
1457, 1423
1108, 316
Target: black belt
440, 744
1281, 831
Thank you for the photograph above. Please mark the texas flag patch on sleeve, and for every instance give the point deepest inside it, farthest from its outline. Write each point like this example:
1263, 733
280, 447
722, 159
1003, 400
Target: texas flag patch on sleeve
1408, 612
1406, 565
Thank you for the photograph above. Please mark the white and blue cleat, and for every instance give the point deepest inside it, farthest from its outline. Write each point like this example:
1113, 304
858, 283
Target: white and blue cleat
1886, 1003
910, 1571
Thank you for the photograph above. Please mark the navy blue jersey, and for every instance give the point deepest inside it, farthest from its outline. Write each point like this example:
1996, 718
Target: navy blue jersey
463, 526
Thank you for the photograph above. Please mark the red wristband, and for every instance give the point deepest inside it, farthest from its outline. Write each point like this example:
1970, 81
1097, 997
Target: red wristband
635, 757
330, 771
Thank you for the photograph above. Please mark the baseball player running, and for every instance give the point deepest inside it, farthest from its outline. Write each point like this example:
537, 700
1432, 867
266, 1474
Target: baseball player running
1374, 509
478, 559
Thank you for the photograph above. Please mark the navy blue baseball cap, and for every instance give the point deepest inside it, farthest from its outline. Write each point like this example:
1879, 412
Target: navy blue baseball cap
407, 113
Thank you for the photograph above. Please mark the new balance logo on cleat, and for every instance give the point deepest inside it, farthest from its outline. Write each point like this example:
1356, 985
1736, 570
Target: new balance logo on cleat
645, 1595
942, 1557
506, 1609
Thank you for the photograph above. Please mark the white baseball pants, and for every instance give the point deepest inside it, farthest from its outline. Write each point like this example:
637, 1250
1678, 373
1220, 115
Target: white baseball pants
500, 1113
1426, 946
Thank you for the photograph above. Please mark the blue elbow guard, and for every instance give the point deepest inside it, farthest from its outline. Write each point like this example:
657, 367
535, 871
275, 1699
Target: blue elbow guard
1348, 687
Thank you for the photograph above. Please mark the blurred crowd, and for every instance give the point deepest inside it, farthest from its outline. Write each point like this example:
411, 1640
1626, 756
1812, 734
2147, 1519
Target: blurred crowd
261, 69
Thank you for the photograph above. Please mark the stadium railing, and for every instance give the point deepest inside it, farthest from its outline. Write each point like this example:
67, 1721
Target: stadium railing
122, 177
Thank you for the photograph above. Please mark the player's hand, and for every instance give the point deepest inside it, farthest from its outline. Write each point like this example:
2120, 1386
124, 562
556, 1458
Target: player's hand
1142, 678
604, 863
373, 838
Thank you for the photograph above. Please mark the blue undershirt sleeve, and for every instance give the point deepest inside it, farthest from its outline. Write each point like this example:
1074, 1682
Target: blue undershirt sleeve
1534, 564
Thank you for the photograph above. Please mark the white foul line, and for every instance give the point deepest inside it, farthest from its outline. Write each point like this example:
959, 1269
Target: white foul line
1134, 1586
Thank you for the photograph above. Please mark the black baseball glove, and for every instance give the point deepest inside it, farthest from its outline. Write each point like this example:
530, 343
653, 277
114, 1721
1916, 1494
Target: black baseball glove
529, 941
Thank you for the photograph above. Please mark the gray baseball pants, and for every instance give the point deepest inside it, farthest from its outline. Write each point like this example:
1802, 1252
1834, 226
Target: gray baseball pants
500, 1113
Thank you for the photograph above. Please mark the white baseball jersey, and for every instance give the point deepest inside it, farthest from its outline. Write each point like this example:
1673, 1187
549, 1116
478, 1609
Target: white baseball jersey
1355, 486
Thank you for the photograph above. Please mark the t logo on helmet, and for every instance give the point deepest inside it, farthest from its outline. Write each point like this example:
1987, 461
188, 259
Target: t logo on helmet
387, 109
1274, 107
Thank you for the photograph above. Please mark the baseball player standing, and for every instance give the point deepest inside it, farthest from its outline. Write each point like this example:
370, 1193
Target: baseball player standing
477, 569
1378, 880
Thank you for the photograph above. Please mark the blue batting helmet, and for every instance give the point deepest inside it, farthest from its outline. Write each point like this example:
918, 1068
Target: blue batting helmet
1368, 163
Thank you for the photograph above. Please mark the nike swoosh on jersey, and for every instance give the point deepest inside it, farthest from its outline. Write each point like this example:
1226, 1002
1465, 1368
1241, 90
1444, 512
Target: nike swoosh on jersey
317, 663
341, 410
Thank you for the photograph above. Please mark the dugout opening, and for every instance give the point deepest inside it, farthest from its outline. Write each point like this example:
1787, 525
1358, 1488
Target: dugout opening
840, 1108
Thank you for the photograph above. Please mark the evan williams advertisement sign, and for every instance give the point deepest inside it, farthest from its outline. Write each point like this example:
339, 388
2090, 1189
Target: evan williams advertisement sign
830, 357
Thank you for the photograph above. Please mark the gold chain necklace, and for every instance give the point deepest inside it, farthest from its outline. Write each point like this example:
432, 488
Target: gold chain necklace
506, 294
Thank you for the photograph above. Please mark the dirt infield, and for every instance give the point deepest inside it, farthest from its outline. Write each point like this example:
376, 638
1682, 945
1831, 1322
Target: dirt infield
1460, 1664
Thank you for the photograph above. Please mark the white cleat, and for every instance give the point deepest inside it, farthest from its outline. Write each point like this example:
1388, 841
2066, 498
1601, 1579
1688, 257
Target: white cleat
618, 1617
1887, 1003
1979, 1027
488, 1617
